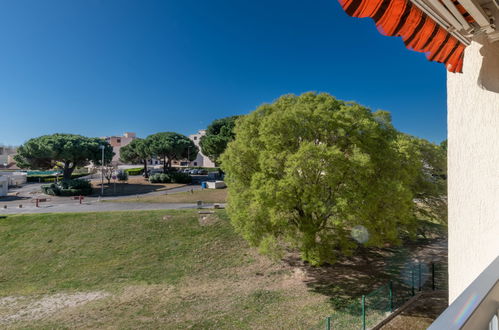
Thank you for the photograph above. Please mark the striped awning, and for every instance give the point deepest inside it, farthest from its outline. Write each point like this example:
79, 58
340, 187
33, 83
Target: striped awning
419, 32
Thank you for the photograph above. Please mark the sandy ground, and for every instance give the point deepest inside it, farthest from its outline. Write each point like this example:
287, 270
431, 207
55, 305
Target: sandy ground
15, 309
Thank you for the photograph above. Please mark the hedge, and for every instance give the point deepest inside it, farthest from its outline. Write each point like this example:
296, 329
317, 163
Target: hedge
68, 188
172, 177
135, 171
51, 178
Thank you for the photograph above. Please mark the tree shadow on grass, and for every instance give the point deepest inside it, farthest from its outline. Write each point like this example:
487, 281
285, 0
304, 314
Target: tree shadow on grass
366, 270
127, 189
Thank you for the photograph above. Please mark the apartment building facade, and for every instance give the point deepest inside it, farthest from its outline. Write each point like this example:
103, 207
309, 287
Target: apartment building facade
117, 142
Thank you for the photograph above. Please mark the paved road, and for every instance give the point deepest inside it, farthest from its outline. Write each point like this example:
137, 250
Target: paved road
31, 191
97, 207
28, 192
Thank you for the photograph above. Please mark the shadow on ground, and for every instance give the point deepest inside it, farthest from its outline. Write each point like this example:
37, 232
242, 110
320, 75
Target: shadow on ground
371, 268
127, 189
13, 198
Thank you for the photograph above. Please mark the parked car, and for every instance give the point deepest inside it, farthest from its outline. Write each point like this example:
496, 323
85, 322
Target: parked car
202, 172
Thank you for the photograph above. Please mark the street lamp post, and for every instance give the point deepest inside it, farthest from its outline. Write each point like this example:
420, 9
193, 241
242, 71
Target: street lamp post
102, 171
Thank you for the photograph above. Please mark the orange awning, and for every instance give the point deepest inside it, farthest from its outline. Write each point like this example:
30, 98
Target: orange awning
419, 32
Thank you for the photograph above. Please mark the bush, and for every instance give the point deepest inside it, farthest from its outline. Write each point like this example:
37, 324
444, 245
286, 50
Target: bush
75, 184
68, 188
122, 176
179, 177
51, 189
134, 171
173, 177
71, 192
50, 178
160, 178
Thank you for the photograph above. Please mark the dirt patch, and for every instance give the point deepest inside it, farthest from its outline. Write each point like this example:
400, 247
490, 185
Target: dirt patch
421, 313
208, 219
15, 309
369, 268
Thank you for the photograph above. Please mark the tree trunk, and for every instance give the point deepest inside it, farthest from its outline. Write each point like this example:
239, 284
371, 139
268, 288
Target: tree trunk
146, 175
67, 171
165, 165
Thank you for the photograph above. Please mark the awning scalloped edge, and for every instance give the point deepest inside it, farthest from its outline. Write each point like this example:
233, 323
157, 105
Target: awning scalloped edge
401, 18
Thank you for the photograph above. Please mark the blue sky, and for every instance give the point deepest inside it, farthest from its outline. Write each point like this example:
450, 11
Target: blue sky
103, 67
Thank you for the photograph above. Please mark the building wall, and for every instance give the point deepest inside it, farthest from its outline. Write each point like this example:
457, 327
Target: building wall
4, 186
119, 141
6, 154
201, 160
473, 166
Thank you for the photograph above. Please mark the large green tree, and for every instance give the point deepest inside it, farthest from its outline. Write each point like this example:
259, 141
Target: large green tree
314, 173
430, 185
169, 146
64, 151
218, 134
136, 151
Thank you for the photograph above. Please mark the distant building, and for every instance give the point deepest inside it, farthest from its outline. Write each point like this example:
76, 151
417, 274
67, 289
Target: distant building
119, 141
4, 185
201, 160
7, 154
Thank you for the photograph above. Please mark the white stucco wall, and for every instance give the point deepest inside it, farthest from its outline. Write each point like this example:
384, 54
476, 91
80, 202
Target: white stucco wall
4, 185
473, 166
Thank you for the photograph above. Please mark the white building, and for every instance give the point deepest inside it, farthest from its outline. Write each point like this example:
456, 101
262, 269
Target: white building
201, 160
4, 185
7, 156
119, 141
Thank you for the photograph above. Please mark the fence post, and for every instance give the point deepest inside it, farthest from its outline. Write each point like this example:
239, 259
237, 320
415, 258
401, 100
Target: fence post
433, 276
419, 270
391, 296
328, 323
363, 312
412, 279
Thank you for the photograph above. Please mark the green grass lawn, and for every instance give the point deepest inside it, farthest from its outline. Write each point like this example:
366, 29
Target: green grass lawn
144, 269
205, 195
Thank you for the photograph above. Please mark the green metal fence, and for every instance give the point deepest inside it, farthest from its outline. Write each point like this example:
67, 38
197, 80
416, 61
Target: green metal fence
372, 308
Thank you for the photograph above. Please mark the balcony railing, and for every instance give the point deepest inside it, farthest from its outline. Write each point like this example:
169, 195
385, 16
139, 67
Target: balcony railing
477, 307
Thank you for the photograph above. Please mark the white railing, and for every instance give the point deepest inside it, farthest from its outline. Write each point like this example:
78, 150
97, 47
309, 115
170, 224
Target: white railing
477, 307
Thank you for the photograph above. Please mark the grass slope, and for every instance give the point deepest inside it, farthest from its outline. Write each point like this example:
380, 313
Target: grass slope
150, 270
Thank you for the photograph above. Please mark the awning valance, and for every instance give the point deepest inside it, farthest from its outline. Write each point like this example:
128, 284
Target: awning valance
418, 31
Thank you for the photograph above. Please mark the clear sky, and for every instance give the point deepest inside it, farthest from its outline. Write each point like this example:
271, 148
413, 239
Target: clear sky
103, 67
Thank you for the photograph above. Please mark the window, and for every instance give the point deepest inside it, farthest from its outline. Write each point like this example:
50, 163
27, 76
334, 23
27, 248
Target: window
195, 163
195, 138
118, 140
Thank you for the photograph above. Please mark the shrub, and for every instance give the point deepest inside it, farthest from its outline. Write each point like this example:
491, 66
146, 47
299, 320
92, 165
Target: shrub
154, 178
179, 177
164, 178
51, 189
134, 171
71, 192
122, 176
68, 188
160, 178
50, 178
